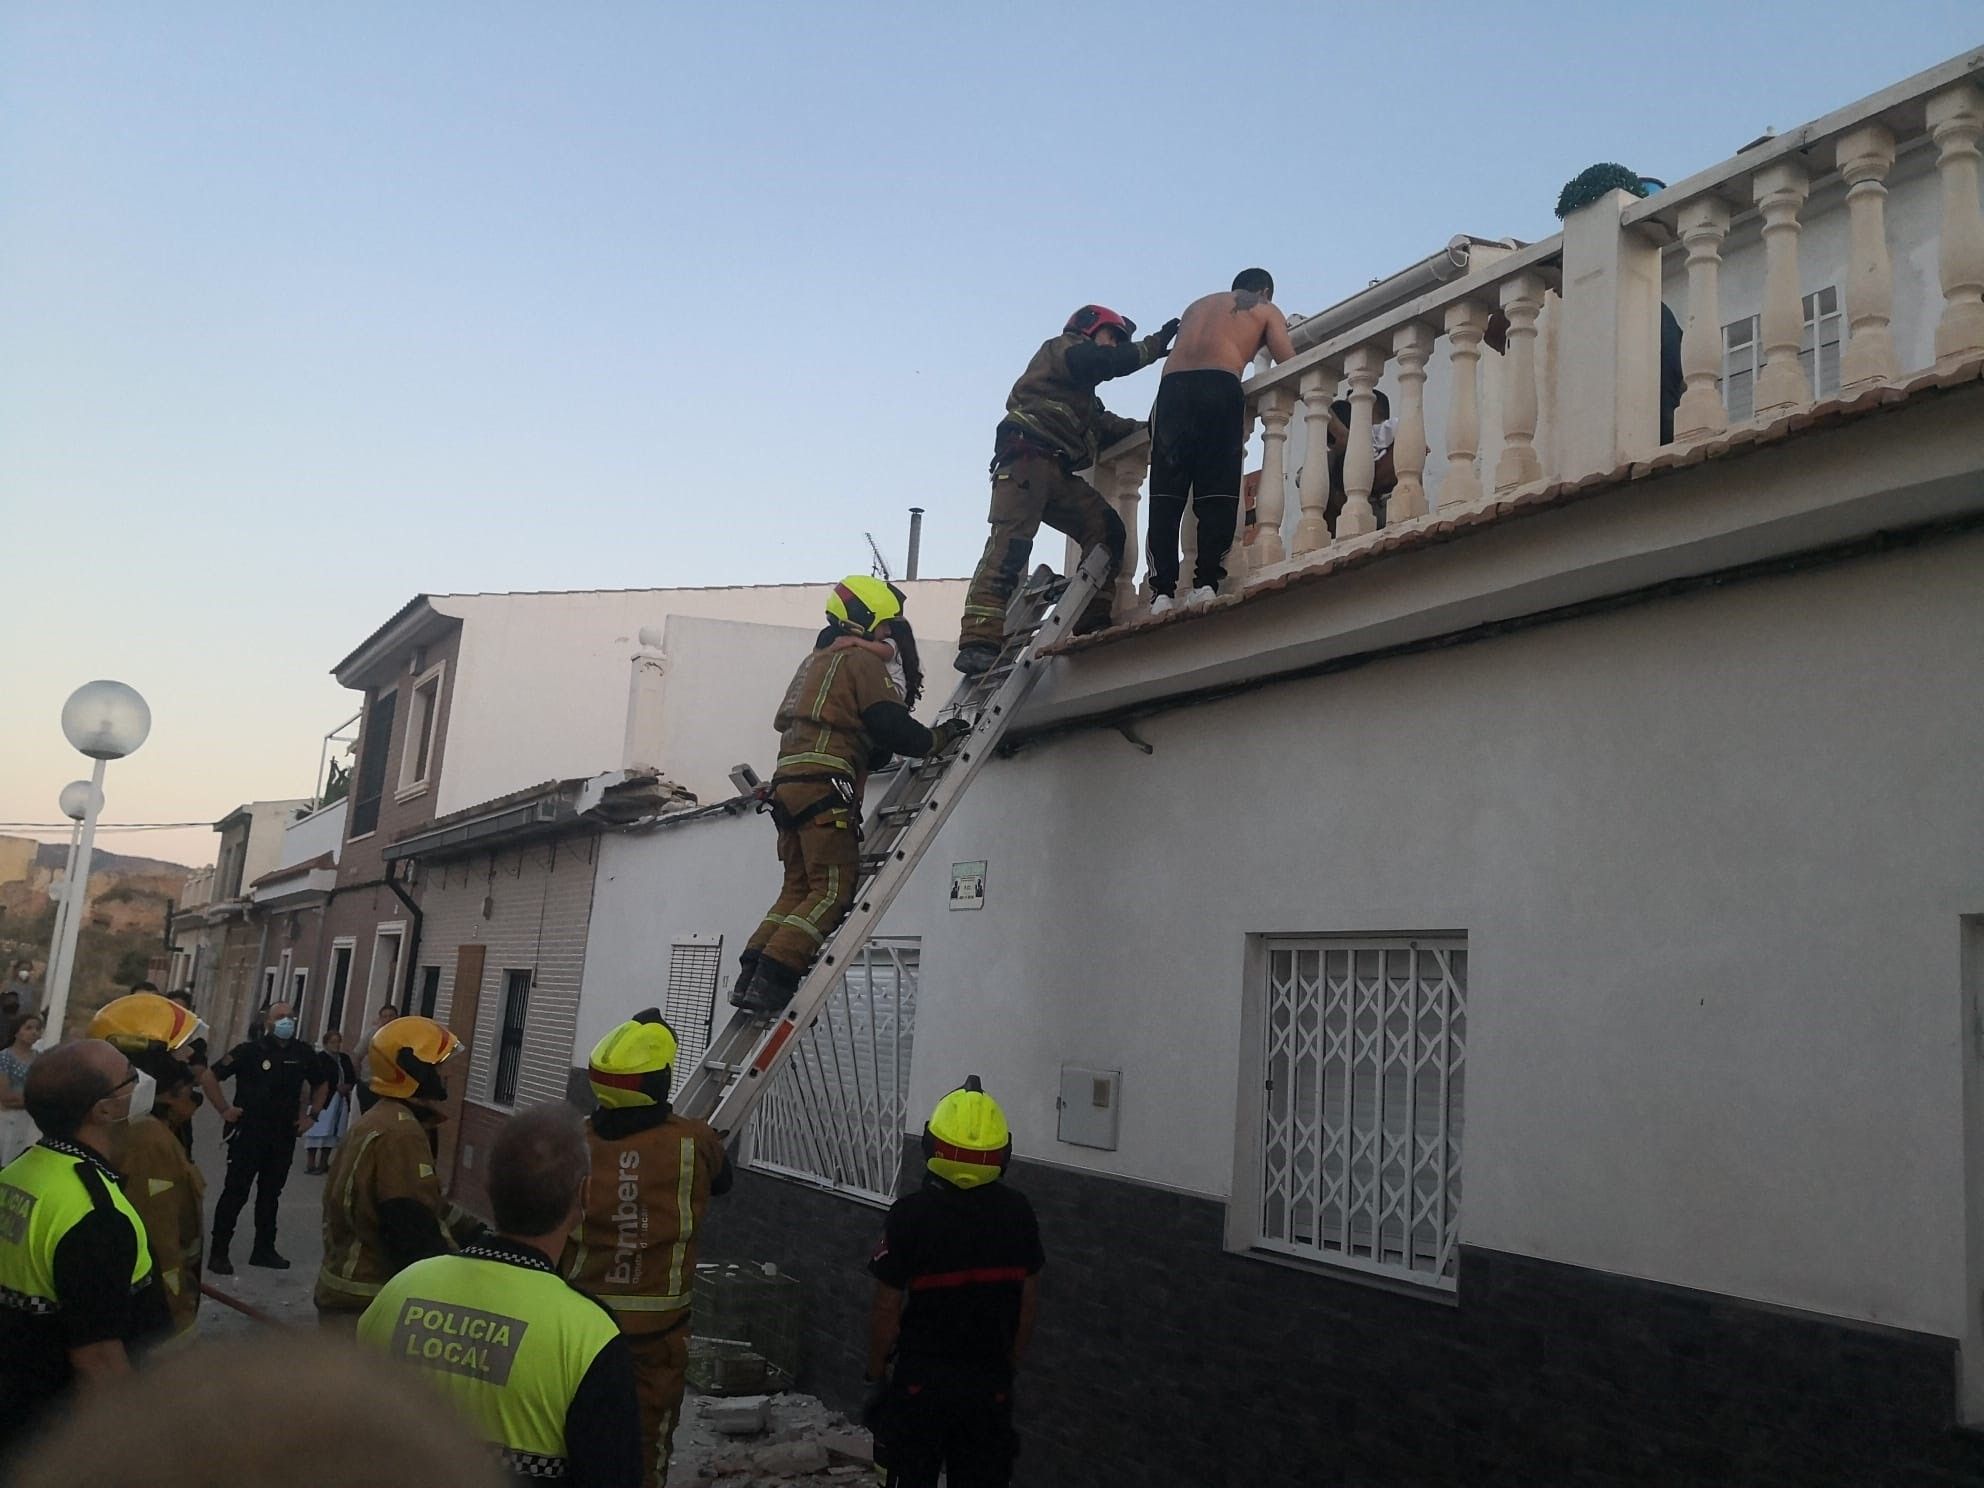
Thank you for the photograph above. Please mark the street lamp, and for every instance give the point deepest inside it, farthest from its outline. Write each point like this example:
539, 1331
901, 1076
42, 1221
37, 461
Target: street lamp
106, 721
78, 799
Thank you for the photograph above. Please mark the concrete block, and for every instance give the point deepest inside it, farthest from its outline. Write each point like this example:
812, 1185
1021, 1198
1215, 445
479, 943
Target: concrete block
743, 1415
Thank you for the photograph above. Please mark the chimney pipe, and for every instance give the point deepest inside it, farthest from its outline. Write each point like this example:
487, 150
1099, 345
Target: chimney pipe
915, 541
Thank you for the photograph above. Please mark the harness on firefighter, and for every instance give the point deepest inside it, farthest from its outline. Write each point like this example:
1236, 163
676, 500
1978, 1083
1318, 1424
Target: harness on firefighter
791, 821
1011, 442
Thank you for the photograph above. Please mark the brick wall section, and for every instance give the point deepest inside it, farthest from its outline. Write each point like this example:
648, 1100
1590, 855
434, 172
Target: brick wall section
1163, 1360
541, 906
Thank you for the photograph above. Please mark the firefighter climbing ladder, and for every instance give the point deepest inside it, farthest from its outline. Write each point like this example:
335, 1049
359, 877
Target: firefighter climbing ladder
742, 1060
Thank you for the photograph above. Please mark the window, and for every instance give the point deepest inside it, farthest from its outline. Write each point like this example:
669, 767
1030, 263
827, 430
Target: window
372, 766
510, 1047
1359, 1054
385, 984
835, 1114
340, 983
430, 989
299, 981
268, 986
416, 751
1818, 354
694, 964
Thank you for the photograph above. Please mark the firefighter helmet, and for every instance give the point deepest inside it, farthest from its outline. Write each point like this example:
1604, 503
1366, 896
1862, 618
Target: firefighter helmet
141, 1021
1092, 318
865, 604
634, 1064
966, 1141
406, 1058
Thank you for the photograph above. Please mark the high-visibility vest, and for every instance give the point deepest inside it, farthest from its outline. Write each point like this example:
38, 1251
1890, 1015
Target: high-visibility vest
508, 1342
45, 1193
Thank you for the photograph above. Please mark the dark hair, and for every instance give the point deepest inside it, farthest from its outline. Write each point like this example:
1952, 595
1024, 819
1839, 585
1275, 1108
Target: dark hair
535, 1169
11, 1030
1381, 407
1255, 281
182, 997
61, 1087
144, 986
161, 1066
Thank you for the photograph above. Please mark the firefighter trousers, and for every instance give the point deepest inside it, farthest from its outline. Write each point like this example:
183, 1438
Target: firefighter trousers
661, 1368
1032, 490
822, 858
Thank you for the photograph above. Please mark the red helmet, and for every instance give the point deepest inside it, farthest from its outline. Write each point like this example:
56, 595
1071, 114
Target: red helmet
1092, 318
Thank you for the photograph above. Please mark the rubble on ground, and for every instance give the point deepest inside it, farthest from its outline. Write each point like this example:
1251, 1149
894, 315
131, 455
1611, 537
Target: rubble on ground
799, 1444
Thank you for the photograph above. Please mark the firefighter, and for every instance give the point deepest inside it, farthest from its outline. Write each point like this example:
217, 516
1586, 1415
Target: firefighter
1054, 427
532, 1363
161, 1181
653, 1175
383, 1205
955, 1287
842, 716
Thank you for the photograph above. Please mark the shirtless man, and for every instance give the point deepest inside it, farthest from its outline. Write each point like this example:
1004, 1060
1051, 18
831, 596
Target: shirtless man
1198, 429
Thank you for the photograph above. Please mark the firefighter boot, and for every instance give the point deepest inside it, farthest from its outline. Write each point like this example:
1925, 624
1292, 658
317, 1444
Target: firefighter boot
771, 989
975, 661
747, 971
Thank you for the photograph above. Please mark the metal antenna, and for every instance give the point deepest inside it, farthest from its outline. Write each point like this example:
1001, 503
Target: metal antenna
881, 563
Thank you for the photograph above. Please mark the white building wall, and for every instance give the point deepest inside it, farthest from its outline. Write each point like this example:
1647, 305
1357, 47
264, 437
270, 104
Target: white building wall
540, 902
1710, 855
320, 832
540, 690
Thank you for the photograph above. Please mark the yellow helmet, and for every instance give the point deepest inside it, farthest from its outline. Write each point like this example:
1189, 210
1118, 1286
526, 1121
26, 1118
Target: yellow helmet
634, 1063
141, 1021
406, 1058
864, 603
966, 1141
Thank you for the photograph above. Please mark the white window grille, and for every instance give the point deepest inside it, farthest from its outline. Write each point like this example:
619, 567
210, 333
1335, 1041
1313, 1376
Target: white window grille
1818, 354
835, 1115
694, 963
1361, 1063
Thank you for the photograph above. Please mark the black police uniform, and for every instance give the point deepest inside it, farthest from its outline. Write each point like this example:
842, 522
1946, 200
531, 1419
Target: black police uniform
269, 1075
964, 1256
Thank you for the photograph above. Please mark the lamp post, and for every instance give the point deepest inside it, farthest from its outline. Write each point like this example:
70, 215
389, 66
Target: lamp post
105, 721
78, 799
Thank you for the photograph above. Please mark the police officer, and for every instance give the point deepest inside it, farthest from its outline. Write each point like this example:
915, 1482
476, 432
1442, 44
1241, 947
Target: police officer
955, 1287
277, 1094
161, 1181
383, 1205
1054, 427
842, 716
536, 1366
653, 1175
77, 1287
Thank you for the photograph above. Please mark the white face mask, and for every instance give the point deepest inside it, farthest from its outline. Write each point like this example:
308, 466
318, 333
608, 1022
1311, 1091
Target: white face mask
142, 1095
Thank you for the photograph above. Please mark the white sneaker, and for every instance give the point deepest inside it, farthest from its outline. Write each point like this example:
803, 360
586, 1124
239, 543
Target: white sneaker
1202, 595
1163, 604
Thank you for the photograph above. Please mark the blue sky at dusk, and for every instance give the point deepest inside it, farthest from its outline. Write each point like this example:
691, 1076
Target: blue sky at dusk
304, 310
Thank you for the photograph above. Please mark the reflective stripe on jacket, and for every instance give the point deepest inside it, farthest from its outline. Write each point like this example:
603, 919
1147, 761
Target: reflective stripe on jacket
385, 1155
635, 1248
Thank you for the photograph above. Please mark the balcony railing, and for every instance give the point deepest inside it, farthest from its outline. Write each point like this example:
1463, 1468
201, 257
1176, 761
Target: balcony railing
1573, 393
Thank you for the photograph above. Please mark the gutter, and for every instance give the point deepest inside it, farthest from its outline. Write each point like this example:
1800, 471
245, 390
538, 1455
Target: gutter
412, 938
1450, 263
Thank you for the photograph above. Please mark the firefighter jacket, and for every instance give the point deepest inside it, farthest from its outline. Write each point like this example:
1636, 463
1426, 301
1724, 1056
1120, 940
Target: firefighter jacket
635, 1249
535, 1366
842, 715
383, 1206
1054, 403
169, 1195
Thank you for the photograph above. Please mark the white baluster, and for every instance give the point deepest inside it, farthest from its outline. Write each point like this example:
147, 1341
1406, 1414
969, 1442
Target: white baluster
1704, 223
1412, 345
1467, 323
1122, 482
1239, 557
1363, 367
1781, 384
1312, 531
1522, 301
1956, 118
1271, 503
1865, 156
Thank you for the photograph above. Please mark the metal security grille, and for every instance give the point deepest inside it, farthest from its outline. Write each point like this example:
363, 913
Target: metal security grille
835, 1114
694, 963
510, 1046
1361, 1112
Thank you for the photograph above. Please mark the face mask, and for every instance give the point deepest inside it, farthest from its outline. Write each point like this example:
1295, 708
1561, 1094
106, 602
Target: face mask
285, 1028
142, 1095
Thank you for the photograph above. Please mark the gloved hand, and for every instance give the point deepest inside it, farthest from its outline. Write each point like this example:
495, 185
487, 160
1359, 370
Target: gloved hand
872, 1403
947, 734
1164, 335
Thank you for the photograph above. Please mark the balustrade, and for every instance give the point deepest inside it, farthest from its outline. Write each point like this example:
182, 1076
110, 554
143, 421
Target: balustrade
1955, 120
1467, 323
1412, 347
1704, 224
1865, 157
1277, 408
1318, 386
1522, 302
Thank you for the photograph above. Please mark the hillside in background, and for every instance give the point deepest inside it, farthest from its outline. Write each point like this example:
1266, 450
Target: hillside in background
55, 854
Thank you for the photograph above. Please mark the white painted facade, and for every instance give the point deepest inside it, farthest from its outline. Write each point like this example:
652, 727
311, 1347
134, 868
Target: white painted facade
540, 691
322, 831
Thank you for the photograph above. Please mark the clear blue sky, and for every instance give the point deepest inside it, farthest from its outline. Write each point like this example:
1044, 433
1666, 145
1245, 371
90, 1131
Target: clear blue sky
304, 309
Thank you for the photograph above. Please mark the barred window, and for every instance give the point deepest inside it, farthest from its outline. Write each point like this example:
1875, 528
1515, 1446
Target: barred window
1360, 1058
695, 962
836, 1113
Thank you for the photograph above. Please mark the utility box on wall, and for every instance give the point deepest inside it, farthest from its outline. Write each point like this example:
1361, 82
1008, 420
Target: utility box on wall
1089, 1102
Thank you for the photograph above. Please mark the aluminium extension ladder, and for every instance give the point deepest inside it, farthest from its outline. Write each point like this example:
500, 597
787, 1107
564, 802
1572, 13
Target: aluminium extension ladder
737, 1068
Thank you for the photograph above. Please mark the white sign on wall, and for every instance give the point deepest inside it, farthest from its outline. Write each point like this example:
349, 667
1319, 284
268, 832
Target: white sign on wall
968, 885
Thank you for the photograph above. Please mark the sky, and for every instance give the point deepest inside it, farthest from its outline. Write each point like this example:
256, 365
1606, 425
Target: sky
307, 309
